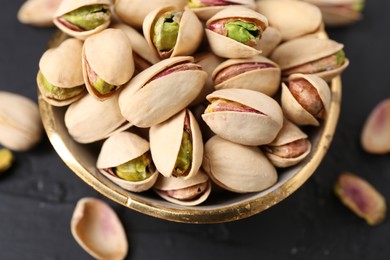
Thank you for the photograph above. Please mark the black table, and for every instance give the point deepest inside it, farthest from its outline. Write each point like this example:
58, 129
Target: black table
38, 195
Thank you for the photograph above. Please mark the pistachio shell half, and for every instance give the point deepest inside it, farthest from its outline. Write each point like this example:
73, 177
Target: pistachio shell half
98, 230
243, 116
237, 167
38, 12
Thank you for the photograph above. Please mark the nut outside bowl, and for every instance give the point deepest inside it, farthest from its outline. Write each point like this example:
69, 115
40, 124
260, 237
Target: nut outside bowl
220, 207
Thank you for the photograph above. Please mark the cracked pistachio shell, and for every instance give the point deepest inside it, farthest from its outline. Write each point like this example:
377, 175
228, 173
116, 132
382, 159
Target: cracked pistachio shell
20, 122
71, 5
237, 167
294, 111
189, 36
89, 120
38, 12
165, 141
292, 18
109, 54
119, 149
146, 103
98, 230
307, 49
61, 66
172, 183
228, 48
246, 128
133, 12
270, 39
265, 80
289, 133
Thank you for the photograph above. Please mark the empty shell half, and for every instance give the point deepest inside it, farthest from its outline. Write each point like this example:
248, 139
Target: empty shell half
237, 167
243, 116
125, 159
177, 146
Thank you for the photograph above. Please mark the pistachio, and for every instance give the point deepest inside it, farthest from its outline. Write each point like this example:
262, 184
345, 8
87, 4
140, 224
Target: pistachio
58, 93
137, 169
6, 159
38, 12
166, 30
361, 197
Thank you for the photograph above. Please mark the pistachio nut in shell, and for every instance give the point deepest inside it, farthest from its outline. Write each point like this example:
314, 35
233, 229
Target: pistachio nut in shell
83, 18
311, 55
89, 120
60, 77
177, 146
257, 73
6, 159
306, 99
235, 32
107, 61
270, 39
292, 18
186, 192
375, 136
177, 79
98, 230
125, 160
38, 12
237, 167
133, 12
171, 32
290, 147
20, 122
243, 116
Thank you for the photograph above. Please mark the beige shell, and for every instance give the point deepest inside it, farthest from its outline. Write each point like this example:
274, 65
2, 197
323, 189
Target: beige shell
165, 141
89, 120
292, 18
20, 122
71, 5
98, 230
270, 39
171, 183
189, 36
109, 54
289, 133
38, 12
229, 48
294, 111
242, 127
61, 66
237, 167
264, 80
307, 49
140, 101
119, 149
133, 12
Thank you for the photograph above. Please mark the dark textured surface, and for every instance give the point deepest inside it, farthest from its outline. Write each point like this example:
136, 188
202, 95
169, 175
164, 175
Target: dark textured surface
38, 195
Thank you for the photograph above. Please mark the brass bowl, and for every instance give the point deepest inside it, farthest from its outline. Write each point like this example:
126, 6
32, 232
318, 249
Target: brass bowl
221, 206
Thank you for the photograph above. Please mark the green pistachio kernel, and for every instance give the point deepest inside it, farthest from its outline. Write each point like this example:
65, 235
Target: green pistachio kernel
195, 4
166, 30
138, 169
6, 159
57, 92
340, 56
246, 33
184, 158
103, 87
88, 17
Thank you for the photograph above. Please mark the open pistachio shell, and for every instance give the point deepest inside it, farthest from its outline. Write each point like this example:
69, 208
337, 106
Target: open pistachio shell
61, 67
89, 120
38, 12
294, 111
166, 141
270, 39
119, 149
237, 167
189, 36
133, 12
109, 55
140, 101
265, 80
165, 184
292, 18
257, 127
288, 134
71, 5
98, 230
228, 48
